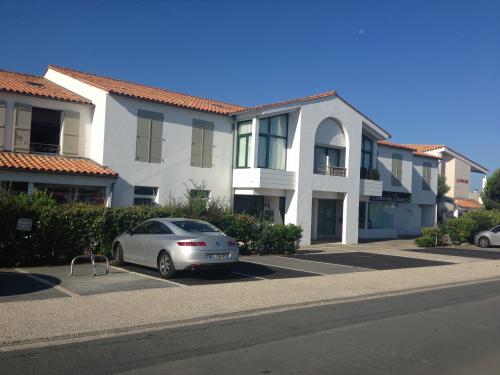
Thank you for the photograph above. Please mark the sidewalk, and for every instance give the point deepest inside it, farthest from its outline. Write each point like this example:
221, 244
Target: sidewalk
64, 318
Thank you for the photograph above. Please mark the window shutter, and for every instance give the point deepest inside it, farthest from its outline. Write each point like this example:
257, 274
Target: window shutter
22, 127
156, 137
397, 169
71, 133
2, 123
196, 145
143, 136
208, 145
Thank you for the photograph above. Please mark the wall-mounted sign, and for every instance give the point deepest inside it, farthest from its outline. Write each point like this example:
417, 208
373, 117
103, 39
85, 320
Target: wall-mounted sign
463, 180
24, 224
393, 196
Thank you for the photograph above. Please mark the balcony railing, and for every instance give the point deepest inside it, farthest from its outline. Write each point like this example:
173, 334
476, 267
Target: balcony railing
44, 148
331, 170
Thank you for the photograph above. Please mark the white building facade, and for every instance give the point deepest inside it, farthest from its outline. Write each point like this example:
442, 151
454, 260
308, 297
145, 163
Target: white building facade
312, 162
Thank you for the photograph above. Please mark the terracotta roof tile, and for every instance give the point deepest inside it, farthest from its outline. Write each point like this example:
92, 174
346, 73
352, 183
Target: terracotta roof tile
291, 101
407, 147
26, 84
53, 164
424, 148
154, 94
468, 203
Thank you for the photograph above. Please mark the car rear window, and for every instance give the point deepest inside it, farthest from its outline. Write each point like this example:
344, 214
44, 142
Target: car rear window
195, 226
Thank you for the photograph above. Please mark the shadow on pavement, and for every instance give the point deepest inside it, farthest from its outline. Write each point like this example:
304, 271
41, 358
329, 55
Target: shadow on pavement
15, 283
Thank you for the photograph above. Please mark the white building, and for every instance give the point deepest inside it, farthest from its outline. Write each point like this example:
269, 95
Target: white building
294, 162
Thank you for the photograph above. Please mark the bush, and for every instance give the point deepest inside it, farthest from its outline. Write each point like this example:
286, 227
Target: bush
60, 232
431, 236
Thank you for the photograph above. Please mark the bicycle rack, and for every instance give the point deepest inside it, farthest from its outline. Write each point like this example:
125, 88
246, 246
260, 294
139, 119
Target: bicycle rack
92, 257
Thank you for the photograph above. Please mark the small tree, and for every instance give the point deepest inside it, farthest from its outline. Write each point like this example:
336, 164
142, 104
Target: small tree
443, 188
491, 192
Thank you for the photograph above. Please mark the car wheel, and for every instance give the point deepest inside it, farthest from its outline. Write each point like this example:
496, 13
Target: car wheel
119, 255
484, 242
166, 267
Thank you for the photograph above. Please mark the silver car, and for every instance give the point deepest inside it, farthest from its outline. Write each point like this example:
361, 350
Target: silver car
170, 244
488, 238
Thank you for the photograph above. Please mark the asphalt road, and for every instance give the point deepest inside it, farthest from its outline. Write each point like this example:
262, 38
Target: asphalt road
444, 331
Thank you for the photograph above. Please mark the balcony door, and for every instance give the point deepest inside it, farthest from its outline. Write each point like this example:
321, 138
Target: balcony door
327, 214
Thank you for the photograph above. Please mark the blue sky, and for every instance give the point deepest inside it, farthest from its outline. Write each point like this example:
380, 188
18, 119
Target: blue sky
427, 71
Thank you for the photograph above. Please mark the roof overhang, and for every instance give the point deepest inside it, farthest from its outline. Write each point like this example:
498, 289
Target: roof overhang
475, 167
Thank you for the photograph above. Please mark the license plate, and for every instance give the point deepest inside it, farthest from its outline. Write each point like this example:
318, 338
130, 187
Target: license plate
218, 256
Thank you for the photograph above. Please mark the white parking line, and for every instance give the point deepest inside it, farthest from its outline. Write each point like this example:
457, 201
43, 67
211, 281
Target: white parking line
286, 268
148, 276
253, 277
46, 282
332, 264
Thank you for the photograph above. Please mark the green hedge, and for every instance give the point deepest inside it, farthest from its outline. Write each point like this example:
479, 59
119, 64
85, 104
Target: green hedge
460, 230
61, 232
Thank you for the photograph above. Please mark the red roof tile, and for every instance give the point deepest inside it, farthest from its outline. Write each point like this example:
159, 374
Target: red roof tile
424, 148
154, 94
468, 203
26, 84
407, 147
53, 164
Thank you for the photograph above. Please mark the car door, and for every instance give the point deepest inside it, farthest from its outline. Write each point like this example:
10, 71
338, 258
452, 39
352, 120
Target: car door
495, 235
159, 235
133, 253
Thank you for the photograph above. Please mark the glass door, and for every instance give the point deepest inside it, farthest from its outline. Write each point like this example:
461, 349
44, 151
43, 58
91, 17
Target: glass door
327, 213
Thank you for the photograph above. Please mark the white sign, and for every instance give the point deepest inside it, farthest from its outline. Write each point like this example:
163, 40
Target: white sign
24, 224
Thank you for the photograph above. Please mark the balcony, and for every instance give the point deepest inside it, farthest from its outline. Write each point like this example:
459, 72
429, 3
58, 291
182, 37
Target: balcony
263, 178
370, 187
44, 148
331, 170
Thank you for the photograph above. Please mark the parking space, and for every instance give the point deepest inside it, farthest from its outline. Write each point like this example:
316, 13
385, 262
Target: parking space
55, 281
466, 253
369, 260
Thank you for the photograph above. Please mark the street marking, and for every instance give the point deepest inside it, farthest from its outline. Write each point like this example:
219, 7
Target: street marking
253, 277
286, 268
46, 282
147, 276
330, 263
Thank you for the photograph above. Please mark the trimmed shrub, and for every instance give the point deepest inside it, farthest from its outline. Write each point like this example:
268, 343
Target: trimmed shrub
278, 239
431, 236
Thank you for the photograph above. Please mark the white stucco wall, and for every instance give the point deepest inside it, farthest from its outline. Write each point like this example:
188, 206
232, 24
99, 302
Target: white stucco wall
174, 173
385, 169
85, 111
420, 196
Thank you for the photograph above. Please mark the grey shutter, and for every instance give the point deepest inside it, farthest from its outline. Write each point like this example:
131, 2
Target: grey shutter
196, 145
71, 133
143, 136
22, 127
3, 112
156, 137
397, 169
208, 145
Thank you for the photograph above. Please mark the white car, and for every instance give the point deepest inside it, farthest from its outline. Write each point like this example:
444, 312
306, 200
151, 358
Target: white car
488, 238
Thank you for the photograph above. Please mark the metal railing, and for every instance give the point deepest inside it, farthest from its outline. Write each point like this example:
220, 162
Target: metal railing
44, 148
331, 170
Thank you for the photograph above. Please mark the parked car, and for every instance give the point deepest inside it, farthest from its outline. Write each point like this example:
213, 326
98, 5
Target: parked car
488, 238
172, 244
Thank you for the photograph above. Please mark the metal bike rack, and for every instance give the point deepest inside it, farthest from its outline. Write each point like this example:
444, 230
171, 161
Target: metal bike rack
92, 257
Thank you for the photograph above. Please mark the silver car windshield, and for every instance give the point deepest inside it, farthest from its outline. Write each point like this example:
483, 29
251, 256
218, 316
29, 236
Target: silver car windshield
195, 226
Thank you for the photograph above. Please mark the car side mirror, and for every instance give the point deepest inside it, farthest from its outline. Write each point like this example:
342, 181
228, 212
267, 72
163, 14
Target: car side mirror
130, 231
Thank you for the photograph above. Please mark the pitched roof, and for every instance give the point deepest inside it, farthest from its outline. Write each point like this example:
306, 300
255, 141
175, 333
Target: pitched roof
149, 93
468, 203
26, 84
53, 164
424, 148
407, 147
290, 101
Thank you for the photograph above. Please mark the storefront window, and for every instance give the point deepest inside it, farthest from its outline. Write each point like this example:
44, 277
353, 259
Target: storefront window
380, 215
15, 187
70, 194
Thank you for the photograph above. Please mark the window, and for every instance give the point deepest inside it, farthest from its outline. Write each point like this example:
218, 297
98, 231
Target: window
149, 141
362, 215
397, 169
273, 133
324, 158
144, 228
249, 204
158, 228
366, 155
145, 195
426, 176
243, 141
380, 215
202, 143
45, 131
15, 187
199, 194
68, 194
195, 226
